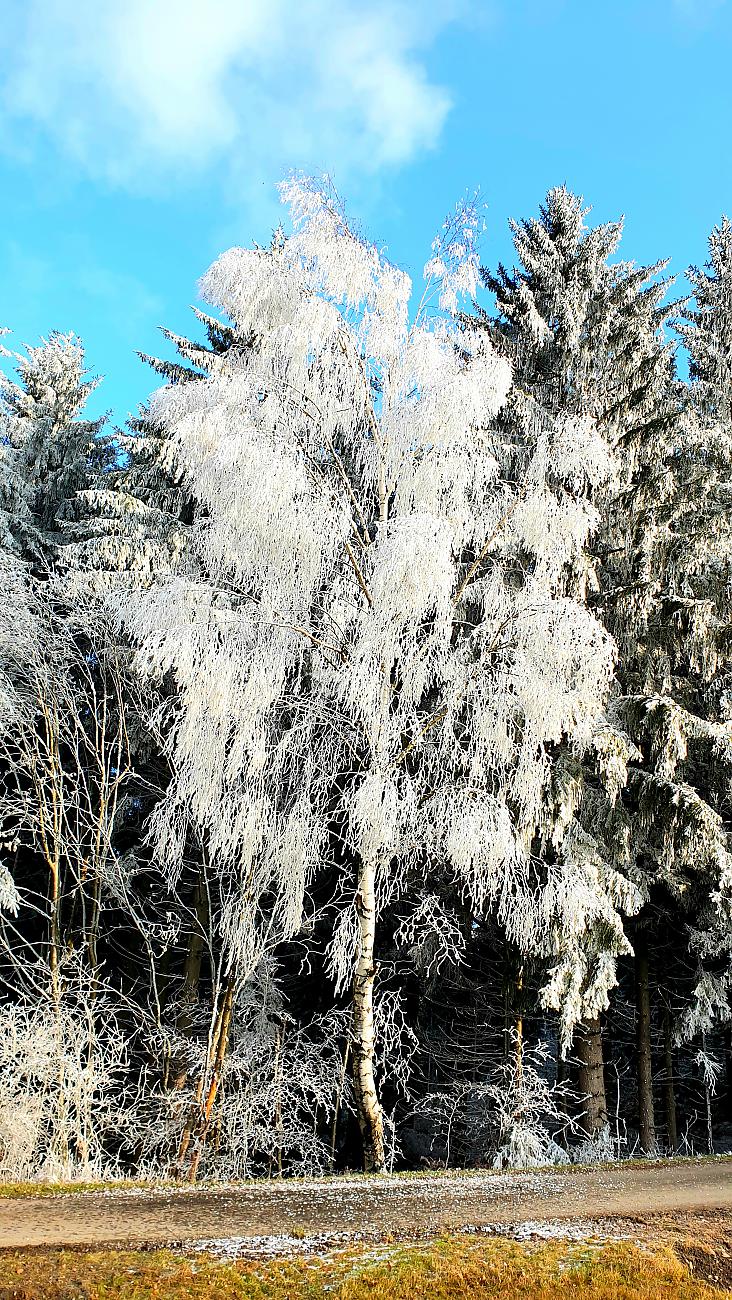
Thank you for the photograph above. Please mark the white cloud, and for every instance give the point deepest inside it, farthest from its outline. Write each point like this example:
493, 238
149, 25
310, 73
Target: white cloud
138, 90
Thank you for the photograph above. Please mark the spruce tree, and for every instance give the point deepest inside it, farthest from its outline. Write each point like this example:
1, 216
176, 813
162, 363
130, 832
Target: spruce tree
707, 329
50, 452
591, 335
584, 336
135, 521
702, 566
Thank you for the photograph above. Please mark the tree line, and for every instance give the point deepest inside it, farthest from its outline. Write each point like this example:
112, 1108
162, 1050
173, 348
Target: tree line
366, 717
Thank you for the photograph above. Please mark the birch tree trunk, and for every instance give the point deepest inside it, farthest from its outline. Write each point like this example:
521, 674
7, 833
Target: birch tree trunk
591, 1076
370, 1117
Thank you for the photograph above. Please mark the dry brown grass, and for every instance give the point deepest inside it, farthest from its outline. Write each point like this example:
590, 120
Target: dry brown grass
454, 1268
19, 1191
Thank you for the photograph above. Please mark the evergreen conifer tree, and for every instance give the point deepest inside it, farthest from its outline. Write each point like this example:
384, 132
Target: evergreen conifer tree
590, 334
582, 336
135, 522
49, 451
707, 329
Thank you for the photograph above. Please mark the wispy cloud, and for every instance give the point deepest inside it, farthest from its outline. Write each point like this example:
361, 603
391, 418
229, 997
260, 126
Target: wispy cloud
147, 89
697, 12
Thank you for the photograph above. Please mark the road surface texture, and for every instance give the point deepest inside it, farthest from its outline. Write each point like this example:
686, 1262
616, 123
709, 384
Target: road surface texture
268, 1218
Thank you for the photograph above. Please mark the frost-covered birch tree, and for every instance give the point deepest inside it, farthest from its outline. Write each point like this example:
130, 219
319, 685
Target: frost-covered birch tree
64, 778
371, 644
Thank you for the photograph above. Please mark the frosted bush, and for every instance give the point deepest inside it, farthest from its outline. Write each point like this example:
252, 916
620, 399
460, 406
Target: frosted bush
63, 1074
512, 1120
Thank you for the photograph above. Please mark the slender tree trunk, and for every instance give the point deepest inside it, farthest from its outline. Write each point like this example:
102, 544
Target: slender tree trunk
710, 1129
199, 1121
339, 1103
708, 1104
644, 1063
370, 1117
280, 1034
591, 1075
669, 1093
520, 1031
191, 978
54, 962
194, 954
728, 1067
62, 1107
368, 1109
196, 945
92, 934
215, 1080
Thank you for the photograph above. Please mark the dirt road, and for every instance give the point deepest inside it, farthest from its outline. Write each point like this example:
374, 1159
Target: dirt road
352, 1208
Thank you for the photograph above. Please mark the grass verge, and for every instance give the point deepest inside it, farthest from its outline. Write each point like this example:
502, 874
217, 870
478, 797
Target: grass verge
452, 1268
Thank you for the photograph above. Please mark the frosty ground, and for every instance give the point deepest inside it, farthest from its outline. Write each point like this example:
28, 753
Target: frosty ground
295, 1217
651, 1231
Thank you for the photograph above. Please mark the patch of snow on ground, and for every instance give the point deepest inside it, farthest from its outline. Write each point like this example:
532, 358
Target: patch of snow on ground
269, 1247
323, 1244
542, 1229
486, 1182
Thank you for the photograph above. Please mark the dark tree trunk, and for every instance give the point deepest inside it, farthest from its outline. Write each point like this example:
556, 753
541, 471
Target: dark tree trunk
368, 1107
194, 954
669, 1094
175, 1071
728, 1068
591, 1076
644, 1064
198, 1125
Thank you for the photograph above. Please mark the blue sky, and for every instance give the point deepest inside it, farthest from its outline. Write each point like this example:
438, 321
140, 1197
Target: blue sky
139, 140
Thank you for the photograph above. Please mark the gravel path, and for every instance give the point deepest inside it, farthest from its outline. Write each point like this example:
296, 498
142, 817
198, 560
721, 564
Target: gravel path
352, 1208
